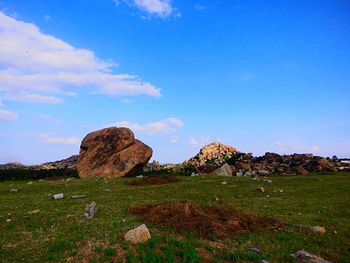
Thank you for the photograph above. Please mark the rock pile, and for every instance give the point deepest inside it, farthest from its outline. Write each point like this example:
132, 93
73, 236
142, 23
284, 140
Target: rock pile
216, 155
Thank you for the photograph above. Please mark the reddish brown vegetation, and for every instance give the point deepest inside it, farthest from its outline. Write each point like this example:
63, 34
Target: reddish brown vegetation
207, 222
155, 180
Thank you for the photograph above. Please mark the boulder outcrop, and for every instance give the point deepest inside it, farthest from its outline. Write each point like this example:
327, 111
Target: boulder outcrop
112, 152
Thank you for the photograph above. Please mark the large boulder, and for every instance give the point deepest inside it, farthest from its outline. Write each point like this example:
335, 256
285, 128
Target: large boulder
112, 152
223, 170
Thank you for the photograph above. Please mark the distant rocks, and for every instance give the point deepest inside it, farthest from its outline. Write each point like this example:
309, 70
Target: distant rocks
215, 154
68, 163
112, 152
214, 158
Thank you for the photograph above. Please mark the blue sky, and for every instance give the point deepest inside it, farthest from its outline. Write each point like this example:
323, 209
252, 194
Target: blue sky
258, 75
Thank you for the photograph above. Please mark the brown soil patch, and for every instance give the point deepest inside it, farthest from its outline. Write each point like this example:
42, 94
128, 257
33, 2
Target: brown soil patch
155, 180
219, 221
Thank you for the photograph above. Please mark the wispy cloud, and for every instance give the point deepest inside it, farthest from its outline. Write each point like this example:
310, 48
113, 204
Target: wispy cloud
6, 115
40, 68
169, 125
47, 117
50, 138
288, 146
159, 8
199, 141
199, 7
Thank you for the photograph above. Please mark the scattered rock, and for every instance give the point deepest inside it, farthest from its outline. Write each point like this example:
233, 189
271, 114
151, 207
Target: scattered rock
255, 250
30, 183
13, 190
90, 210
58, 196
268, 181
224, 183
139, 176
137, 235
8, 220
314, 229
264, 261
303, 256
260, 189
239, 174
78, 196
33, 212
112, 152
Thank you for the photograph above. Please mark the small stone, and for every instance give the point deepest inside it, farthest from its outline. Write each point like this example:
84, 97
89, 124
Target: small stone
260, 189
137, 235
90, 210
239, 174
264, 261
268, 181
304, 256
224, 183
30, 183
216, 198
58, 196
33, 212
255, 250
314, 229
78, 196
139, 176
14, 190
8, 220
107, 190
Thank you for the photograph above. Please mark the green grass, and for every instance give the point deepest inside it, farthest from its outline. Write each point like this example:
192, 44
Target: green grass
59, 231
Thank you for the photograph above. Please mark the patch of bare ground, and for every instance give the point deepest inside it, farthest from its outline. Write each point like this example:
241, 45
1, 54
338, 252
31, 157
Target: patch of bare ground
155, 180
219, 221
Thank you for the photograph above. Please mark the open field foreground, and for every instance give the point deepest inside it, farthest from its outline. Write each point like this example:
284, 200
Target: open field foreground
37, 228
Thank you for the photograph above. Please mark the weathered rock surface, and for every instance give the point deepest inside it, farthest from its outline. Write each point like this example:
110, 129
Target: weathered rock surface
137, 235
90, 210
112, 152
303, 256
223, 170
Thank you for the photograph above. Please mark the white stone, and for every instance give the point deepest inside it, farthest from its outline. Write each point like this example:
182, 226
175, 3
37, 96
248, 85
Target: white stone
58, 196
137, 235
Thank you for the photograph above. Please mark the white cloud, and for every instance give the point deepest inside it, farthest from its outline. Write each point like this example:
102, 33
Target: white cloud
199, 7
315, 148
6, 115
174, 139
199, 141
293, 145
169, 125
47, 117
36, 67
49, 138
161, 8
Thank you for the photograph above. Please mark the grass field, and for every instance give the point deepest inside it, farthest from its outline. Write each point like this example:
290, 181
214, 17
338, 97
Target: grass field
59, 232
